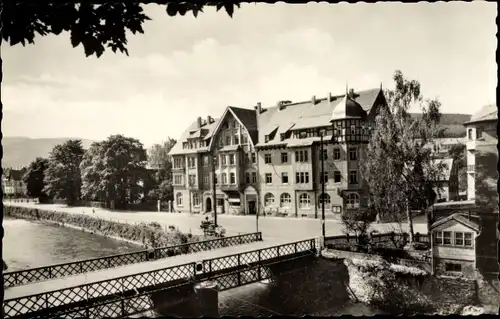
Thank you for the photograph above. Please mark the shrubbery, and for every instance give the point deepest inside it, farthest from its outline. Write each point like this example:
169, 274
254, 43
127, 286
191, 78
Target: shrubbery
151, 235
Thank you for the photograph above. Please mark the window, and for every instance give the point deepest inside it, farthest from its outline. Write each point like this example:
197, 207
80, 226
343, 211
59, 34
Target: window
178, 162
178, 179
223, 160
220, 202
268, 199
323, 178
254, 177
302, 178
453, 267
178, 199
247, 177
232, 178
337, 177
236, 140
324, 199
459, 239
228, 140
269, 178
447, 237
284, 157
205, 160
304, 201
205, 179
468, 240
192, 179
224, 178
244, 139
353, 177
438, 238
336, 154
284, 178
217, 179
336, 209
353, 154
301, 156
220, 142
285, 200
469, 133
267, 158
231, 159
352, 200
325, 154
191, 162
253, 158
196, 199
266, 138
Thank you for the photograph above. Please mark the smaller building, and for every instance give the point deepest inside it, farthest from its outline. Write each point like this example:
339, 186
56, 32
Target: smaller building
12, 182
453, 245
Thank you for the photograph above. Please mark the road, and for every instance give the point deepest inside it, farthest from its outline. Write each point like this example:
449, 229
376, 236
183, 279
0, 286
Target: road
271, 227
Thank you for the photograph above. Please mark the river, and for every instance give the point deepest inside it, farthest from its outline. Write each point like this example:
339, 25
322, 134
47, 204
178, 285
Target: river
30, 244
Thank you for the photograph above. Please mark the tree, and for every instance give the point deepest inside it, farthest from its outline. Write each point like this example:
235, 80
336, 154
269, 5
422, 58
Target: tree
113, 169
158, 157
95, 26
358, 221
34, 178
62, 177
458, 153
399, 170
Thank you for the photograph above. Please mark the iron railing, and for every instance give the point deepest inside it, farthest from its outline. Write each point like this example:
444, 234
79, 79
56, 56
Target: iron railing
94, 295
22, 277
141, 303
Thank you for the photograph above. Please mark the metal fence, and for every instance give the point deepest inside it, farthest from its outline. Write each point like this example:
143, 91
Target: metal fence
22, 277
392, 238
89, 300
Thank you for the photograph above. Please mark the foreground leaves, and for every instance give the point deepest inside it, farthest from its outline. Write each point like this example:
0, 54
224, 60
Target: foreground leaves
96, 27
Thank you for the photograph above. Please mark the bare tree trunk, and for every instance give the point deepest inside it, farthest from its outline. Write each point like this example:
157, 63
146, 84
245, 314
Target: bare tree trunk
410, 222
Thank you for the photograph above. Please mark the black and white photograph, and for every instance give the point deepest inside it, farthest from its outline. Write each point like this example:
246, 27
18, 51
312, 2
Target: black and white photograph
220, 158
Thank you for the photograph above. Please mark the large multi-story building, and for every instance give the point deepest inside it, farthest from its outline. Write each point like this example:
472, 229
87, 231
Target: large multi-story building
268, 159
12, 183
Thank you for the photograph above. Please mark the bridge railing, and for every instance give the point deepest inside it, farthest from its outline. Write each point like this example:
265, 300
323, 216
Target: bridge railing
22, 277
83, 299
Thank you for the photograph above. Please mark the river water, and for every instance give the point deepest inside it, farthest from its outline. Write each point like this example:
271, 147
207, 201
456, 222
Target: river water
28, 244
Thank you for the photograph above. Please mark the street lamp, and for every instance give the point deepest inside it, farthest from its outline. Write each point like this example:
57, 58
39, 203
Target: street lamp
322, 133
214, 189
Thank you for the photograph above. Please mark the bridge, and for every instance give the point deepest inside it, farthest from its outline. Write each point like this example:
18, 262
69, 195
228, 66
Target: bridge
128, 284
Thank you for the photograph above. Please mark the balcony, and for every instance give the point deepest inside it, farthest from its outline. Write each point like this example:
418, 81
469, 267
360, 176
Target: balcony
178, 169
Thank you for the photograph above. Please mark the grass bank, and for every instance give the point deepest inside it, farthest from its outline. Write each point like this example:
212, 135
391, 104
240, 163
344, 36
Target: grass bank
147, 235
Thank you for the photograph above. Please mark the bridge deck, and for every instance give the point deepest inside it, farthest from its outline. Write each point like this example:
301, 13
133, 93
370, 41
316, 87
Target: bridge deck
127, 270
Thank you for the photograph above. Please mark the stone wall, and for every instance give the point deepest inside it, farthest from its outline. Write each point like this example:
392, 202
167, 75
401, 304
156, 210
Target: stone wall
468, 269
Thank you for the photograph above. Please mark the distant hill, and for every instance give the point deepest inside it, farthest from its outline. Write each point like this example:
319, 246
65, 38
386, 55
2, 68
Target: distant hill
20, 151
451, 122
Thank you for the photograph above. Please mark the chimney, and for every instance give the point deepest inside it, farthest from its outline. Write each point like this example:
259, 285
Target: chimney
209, 119
329, 97
281, 105
259, 108
313, 100
199, 121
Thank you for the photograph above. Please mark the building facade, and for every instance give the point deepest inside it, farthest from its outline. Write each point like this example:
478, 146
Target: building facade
12, 183
268, 160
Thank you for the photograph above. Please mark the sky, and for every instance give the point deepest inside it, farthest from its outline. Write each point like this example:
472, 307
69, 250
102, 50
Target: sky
184, 67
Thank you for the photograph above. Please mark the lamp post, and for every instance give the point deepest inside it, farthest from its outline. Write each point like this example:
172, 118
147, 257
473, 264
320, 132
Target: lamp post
322, 187
214, 189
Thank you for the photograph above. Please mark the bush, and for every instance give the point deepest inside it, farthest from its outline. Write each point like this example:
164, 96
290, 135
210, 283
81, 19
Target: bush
144, 233
358, 221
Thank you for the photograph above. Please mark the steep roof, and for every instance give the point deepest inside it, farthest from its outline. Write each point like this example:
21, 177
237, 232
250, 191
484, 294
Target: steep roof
13, 174
305, 114
347, 108
460, 218
248, 118
207, 128
486, 113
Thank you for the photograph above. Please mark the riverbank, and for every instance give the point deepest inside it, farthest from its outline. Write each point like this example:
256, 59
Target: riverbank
407, 290
145, 235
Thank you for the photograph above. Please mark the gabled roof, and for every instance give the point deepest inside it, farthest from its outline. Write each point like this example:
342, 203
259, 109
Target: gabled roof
207, 128
13, 174
308, 115
486, 113
459, 218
